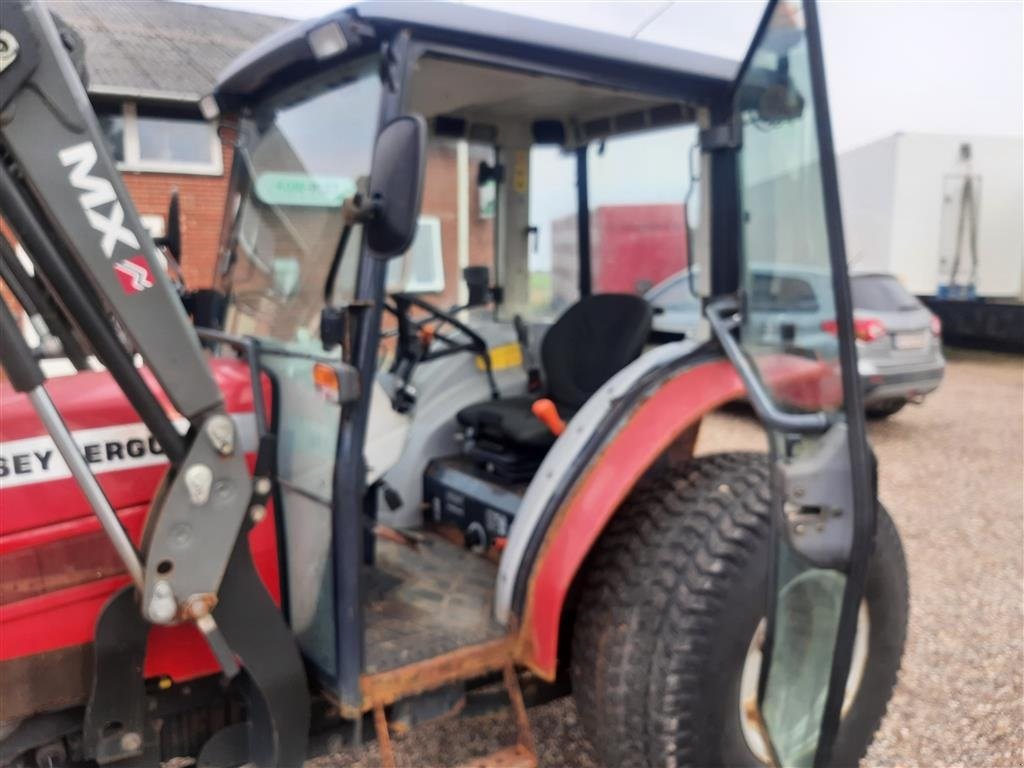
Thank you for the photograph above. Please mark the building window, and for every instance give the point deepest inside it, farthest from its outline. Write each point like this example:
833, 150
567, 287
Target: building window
158, 140
421, 269
112, 126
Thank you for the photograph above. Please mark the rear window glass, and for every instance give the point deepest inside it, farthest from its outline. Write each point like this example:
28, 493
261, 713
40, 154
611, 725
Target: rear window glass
882, 293
779, 293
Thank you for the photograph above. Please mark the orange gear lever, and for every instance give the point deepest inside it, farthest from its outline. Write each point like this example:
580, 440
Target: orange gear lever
545, 410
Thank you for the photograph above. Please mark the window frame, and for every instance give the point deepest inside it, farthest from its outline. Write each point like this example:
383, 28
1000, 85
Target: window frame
133, 162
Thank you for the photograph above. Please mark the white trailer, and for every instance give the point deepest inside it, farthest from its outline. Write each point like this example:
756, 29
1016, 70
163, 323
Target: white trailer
945, 214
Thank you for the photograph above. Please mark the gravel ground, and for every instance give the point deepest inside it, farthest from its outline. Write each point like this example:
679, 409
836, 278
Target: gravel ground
952, 476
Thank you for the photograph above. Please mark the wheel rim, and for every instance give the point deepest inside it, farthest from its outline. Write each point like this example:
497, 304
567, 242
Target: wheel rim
752, 672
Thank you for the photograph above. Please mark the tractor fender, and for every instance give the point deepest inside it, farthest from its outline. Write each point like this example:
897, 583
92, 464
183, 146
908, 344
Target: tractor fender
617, 436
644, 412
589, 470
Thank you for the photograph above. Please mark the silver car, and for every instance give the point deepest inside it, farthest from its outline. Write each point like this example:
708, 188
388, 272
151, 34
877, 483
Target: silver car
781, 297
898, 338
899, 344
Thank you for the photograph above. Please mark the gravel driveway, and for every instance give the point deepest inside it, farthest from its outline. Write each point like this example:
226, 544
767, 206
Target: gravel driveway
952, 476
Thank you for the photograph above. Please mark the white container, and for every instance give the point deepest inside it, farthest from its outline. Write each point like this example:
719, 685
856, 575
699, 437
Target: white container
902, 203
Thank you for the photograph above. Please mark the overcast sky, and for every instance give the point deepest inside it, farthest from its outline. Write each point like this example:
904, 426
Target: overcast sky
942, 67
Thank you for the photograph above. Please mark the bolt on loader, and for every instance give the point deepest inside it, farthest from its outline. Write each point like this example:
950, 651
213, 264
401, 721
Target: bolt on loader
330, 497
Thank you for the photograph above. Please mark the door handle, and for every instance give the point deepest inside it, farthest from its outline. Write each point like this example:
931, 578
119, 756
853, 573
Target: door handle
769, 413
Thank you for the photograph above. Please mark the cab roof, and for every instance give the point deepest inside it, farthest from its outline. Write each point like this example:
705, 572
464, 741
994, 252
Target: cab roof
288, 55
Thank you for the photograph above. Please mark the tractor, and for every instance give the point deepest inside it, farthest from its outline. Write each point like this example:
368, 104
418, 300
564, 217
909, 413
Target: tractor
344, 491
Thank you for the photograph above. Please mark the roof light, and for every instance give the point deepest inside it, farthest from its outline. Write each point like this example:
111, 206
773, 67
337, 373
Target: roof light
208, 107
327, 40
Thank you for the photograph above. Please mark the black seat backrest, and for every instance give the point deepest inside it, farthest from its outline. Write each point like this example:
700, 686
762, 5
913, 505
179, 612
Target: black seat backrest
592, 341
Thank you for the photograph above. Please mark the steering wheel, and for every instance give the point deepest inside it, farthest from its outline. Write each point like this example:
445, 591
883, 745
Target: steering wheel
421, 340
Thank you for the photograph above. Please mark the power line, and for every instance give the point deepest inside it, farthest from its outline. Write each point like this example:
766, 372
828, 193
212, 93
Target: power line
653, 17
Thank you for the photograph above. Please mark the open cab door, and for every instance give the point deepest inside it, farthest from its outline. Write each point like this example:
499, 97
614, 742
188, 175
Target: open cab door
789, 332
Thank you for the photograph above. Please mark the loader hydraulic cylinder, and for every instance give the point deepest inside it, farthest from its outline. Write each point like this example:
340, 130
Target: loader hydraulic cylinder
26, 377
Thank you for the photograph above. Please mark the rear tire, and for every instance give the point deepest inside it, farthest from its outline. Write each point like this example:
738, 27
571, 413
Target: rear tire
885, 409
670, 600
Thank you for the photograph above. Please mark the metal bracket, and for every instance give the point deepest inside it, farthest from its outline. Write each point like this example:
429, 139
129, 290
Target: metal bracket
723, 136
275, 680
115, 718
8, 49
194, 526
19, 54
817, 500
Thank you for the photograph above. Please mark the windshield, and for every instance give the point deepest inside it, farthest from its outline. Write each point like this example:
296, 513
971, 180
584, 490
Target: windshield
304, 153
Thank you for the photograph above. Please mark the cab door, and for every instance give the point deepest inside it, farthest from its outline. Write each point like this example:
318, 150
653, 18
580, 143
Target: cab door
789, 332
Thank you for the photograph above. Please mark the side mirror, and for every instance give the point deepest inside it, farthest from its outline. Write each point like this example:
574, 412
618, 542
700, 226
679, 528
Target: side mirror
396, 185
478, 285
172, 232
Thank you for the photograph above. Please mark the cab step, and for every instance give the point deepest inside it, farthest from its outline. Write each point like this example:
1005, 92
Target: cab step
521, 755
510, 757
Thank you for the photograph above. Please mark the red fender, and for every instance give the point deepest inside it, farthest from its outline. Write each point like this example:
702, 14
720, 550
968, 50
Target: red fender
656, 423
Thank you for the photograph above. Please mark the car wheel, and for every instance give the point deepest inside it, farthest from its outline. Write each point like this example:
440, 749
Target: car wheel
667, 633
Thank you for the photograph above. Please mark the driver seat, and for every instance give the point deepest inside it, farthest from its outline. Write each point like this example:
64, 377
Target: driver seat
593, 340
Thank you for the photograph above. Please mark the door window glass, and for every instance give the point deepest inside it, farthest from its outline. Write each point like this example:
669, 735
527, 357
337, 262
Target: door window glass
553, 240
784, 241
639, 214
788, 285
303, 162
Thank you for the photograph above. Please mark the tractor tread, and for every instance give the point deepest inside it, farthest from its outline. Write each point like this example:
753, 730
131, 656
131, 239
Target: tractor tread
706, 519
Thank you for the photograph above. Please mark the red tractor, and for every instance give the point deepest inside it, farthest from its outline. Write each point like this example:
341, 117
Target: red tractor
249, 517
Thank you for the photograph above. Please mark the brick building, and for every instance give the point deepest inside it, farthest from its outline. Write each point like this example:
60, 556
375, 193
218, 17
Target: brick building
150, 61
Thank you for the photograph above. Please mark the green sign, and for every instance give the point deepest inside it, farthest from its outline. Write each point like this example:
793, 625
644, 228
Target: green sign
301, 189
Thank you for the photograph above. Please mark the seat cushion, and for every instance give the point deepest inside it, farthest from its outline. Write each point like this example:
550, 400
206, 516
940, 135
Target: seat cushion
508, 420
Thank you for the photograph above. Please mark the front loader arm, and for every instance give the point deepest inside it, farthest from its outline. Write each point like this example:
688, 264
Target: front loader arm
54, 140
62, 195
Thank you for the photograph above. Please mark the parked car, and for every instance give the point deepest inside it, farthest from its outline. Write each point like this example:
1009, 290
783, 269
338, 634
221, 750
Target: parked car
781, 295
899, 343
898, 338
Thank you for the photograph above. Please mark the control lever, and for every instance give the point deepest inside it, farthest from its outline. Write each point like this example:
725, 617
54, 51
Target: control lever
533, 380
546, 410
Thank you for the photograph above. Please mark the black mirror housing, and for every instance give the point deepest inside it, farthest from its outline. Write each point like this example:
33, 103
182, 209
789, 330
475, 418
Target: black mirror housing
478, 285
396, 186
172, 230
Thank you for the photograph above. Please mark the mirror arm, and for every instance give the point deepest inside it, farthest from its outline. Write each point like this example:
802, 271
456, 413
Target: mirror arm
723, 315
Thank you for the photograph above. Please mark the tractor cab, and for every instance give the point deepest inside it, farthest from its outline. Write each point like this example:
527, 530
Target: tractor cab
557, 188
386, 151
554, 195
472, 457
